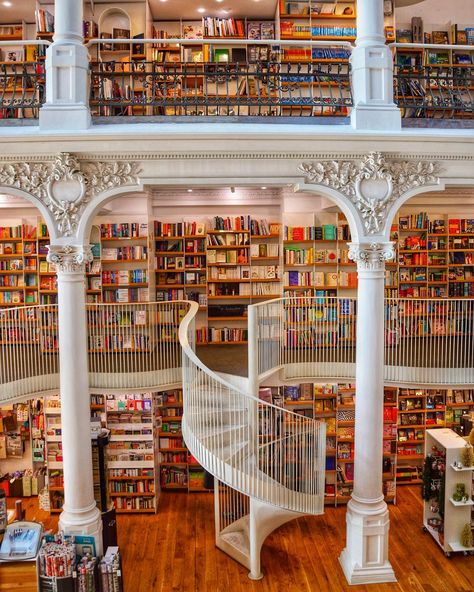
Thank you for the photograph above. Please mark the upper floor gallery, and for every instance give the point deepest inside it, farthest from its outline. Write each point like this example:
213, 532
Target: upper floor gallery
352, 65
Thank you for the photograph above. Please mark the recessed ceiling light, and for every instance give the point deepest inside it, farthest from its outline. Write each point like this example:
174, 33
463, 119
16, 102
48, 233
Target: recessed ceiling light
7, 4
201, 10
190, 190
262, 187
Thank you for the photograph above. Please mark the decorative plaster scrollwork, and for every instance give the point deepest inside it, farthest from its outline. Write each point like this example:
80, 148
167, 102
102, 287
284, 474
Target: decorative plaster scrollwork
371, 257
373, 184
66, 185
69, 259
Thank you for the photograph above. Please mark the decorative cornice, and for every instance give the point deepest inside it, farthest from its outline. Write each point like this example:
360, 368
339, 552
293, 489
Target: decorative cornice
151, 156
65, 185
69, 259
372, 184
371, 256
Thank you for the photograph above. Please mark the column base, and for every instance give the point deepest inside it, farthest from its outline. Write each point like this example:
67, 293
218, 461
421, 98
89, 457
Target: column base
356, 575
54, 117
365, 558
87, 522
373, 117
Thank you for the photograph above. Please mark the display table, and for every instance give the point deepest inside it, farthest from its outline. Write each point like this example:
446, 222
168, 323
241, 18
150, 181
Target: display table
18, 576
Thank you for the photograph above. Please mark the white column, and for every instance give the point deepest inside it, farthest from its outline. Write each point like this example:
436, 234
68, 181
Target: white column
80, 514
365, 558
372, 72
67, 72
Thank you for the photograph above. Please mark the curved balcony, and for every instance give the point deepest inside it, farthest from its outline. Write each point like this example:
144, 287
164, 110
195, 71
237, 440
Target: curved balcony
136, 346
427, 342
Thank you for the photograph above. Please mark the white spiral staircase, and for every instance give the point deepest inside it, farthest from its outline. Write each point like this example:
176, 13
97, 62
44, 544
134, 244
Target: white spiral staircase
273, 456
268, 462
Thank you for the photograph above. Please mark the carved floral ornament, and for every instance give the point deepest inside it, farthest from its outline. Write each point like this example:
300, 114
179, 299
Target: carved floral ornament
67, 185
373, 184
68, 258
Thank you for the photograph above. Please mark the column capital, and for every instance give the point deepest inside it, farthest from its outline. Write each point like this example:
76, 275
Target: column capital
69, 258
371, 256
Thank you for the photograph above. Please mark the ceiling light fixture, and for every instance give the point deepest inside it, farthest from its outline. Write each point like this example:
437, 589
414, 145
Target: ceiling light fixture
8, 4
190, 190
201, 10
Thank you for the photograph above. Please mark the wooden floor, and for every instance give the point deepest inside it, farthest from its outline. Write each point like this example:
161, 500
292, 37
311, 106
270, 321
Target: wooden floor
174, 551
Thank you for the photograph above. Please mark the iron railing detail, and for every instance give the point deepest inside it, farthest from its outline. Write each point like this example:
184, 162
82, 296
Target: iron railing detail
22, 89
435, 91
230, 89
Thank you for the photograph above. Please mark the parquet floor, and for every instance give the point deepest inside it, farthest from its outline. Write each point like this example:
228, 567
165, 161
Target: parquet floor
174, 551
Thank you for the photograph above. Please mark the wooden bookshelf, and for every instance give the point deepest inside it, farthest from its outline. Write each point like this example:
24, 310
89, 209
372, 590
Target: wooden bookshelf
434, 257
334, 404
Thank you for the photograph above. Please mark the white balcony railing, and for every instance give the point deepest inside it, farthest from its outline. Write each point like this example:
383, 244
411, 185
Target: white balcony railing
427, 342
136, 346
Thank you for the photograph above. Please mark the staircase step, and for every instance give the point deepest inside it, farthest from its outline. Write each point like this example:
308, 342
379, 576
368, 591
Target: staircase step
239, 540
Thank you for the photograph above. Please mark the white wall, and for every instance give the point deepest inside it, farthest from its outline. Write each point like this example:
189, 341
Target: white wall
438, 12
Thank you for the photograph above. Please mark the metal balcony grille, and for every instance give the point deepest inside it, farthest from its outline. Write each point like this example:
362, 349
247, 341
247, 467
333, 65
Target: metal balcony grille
231, 89
22, 89
435, 92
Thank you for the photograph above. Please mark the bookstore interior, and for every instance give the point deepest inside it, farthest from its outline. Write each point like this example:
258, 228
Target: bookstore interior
226, 254
225, 249
231, 34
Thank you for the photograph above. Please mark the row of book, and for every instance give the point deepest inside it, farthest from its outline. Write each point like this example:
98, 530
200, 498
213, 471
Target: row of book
228, 256
124, 230
308, 338
264, 250
323, 53
125, 276
136, 342
125, 295
310, 278
133, 503
44, 21
221, 27
146, 486
7, 232
237, 289
135, 253
324, 232
334, 31
221, 335
237, 223
11, 248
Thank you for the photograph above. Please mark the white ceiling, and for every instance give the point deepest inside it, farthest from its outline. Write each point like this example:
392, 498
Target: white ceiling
187, 9
167, 9
162, 10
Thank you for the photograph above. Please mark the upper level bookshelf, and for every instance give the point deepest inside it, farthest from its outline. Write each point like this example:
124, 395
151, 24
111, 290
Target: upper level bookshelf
314, 19
435, 257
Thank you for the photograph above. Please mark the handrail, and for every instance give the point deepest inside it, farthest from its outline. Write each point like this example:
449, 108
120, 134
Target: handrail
25, 42
259, 449
184, 328
430, 46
